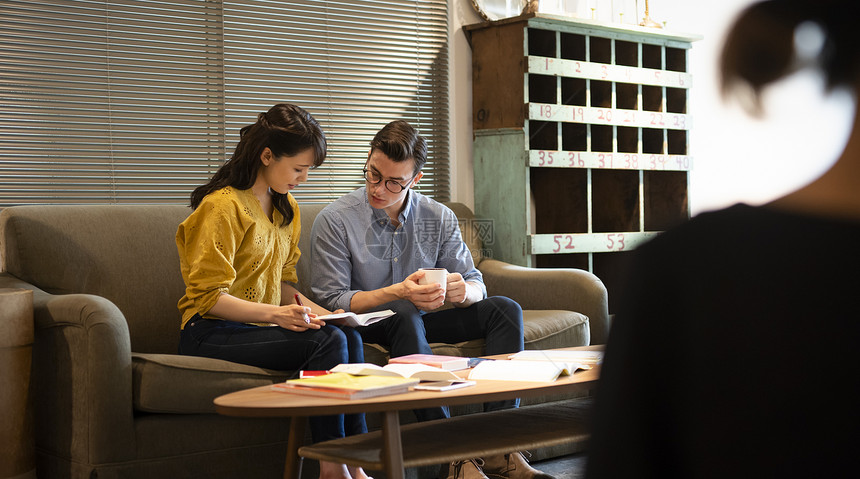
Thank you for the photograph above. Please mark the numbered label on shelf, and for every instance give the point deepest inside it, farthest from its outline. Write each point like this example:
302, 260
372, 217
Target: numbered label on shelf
615, 73
608, 116
587, 242
615, 161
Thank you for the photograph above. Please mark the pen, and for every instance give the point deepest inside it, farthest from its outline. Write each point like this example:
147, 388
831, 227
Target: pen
299, 302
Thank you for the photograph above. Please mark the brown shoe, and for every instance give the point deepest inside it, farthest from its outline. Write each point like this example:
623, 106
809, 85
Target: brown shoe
511, 466
468, 469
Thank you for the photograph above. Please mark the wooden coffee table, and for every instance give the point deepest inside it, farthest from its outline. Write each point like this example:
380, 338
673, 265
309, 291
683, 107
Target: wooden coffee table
433, 442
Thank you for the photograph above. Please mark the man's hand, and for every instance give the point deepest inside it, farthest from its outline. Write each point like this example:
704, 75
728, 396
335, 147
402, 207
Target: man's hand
426, 297
457, 291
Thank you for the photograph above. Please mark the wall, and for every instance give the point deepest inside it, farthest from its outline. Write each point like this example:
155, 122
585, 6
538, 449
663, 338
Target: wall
736, 157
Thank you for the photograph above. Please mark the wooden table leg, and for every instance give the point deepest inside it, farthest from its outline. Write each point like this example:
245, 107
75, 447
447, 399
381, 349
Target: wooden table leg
293, 464
392, 451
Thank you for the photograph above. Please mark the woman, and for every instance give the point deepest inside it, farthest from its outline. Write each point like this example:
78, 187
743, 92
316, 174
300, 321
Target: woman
238, 250
734, 353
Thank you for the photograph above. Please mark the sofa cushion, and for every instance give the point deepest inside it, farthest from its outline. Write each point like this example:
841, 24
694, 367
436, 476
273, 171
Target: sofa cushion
170, 383
548, 329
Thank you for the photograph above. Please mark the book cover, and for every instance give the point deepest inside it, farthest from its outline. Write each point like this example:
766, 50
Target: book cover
450, 363
419, 371
347, 386
355, 320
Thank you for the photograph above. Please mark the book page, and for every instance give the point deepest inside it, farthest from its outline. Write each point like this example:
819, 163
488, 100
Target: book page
354, 320
417, 371
531, 371
583, 357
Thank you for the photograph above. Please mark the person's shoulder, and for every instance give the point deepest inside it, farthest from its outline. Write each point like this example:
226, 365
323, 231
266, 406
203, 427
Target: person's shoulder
739, 228
221, 199
346, 205
426, 205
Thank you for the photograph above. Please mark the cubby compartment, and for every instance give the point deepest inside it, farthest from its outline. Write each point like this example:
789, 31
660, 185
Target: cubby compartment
627, 139
676, 100
676, 59
676, 142
572, 46
574, 91
665, 194
652, 141
652, 56
542, 88
565, 260
615, 200
541, 42
652, 98
613, 268
626, 53
601, 94
543, 135
559, 199
626, 96
601, 138
600, 49
574, 136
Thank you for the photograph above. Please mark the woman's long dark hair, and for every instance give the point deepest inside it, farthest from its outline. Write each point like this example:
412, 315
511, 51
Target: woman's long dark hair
759, 48
286, 130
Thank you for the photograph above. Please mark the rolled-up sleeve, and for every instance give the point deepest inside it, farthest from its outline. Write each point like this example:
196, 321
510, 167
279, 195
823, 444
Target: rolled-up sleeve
332, 266
289, 271
454, 255
207, 243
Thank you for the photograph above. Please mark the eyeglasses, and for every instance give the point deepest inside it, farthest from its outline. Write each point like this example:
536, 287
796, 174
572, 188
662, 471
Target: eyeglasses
390, 185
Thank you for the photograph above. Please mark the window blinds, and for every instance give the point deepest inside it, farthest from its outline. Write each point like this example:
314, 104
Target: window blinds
123, 101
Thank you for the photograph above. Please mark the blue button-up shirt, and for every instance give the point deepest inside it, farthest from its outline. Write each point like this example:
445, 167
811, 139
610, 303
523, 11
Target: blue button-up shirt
355, 247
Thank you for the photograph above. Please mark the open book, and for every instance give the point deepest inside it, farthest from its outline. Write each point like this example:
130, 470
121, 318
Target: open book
416, 371
354, 320
347, 386
531, 371
588, 358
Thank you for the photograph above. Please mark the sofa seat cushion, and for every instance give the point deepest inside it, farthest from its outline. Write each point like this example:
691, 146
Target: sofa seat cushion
542, 329
172, 383
550, 329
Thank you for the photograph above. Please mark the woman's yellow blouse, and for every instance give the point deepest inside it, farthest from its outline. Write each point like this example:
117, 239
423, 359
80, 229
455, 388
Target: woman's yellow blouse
228, 245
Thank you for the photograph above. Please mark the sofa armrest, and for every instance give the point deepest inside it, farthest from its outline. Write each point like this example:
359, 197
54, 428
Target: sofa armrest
81, 377
551, 288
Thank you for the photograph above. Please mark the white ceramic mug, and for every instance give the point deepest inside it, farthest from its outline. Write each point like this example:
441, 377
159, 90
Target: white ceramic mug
435, 275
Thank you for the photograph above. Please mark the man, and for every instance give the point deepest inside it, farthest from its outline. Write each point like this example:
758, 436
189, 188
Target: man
367, 249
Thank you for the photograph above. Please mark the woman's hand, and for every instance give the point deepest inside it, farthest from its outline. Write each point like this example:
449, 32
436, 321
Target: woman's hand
296, 318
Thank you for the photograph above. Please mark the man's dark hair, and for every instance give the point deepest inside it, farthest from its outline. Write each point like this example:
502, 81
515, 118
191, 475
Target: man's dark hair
399, 141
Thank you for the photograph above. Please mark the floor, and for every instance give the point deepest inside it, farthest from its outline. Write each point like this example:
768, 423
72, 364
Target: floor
567, 467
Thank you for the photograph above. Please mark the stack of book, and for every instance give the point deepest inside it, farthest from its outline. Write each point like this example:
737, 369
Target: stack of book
347, 386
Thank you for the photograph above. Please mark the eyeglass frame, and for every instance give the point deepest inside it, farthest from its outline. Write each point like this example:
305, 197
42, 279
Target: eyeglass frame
365, 171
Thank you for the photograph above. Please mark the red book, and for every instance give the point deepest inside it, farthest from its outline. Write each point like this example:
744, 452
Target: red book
450, 363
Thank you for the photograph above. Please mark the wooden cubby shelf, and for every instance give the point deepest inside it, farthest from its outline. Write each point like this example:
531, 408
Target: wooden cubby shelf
581, 138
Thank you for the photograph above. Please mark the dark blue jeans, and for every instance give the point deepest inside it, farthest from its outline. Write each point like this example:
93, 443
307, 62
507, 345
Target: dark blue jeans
283, 350
497, 319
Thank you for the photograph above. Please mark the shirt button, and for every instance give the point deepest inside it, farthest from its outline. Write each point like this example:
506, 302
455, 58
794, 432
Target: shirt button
395, 260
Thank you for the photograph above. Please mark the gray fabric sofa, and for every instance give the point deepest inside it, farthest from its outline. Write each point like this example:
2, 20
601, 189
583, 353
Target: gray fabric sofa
111, 397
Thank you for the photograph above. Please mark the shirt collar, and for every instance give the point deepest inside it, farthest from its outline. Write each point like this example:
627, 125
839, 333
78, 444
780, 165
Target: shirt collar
380, 215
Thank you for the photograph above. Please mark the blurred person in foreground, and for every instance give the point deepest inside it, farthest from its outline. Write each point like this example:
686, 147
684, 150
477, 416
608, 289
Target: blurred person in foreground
734, 351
